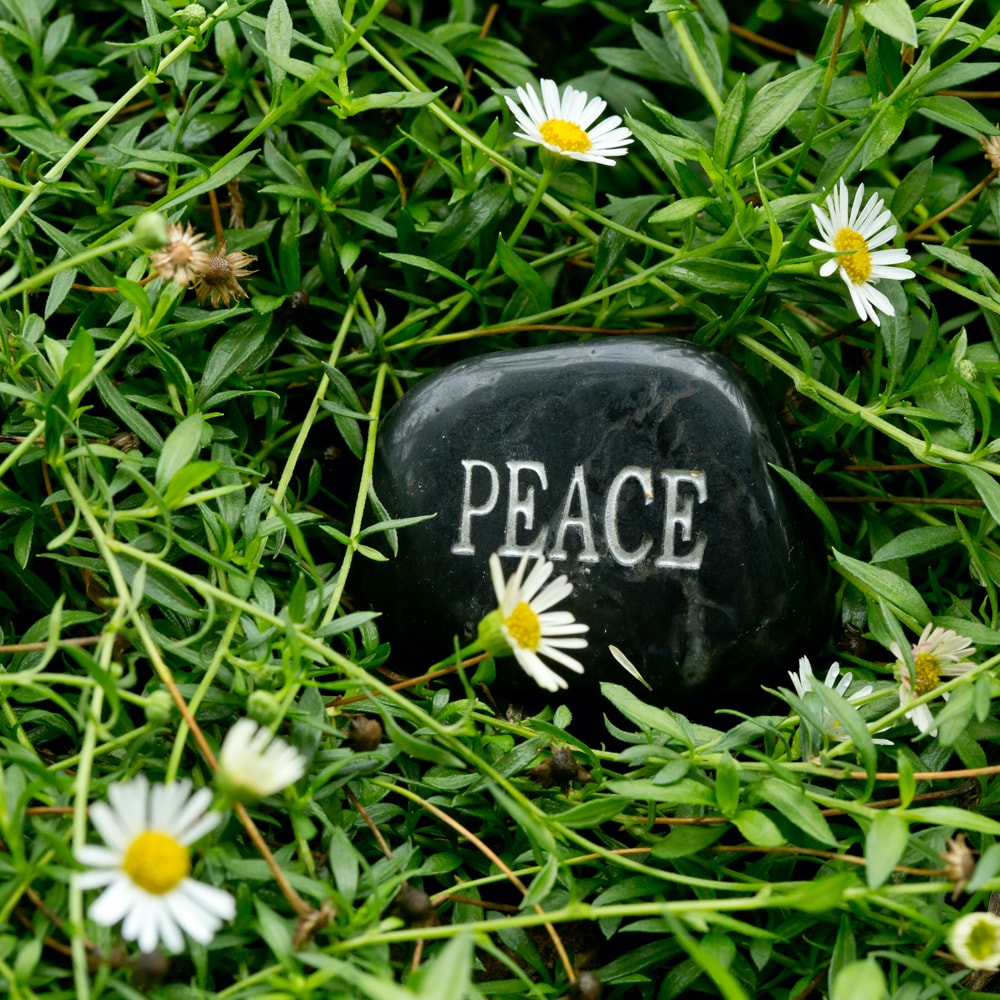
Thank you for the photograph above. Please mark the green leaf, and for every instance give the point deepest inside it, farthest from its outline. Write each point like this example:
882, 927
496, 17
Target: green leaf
893, 17
533, 295
812, 500
729, 123
592, 813
954, 112
330, 18
656, 719
911, 189
861, 980
885, 842
419, 749
685, 840
952, 816
186, 479
916, 541
681, 209
793, 804
758, 828
278, 42
392, 99
182, 444
893, 588
231, 170
684, 792
448, 976
727, 785
987, 487
542, 883
771, 107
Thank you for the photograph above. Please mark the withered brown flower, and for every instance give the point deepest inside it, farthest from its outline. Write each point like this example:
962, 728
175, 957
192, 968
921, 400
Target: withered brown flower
184, 258
560, 769
218, 280
959, 861
991, 149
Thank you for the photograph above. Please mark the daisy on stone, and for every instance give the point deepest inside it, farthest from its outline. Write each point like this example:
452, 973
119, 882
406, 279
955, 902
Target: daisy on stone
975, 940
253, 764
146, 864
853, 232
564, 123
804, 680
523, 625
939, 652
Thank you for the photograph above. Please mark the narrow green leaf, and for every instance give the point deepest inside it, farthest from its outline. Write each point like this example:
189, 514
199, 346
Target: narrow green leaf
793, 804
887, 584
278, 41
884, 845
861, 980
181, 445
532, 295
894, 17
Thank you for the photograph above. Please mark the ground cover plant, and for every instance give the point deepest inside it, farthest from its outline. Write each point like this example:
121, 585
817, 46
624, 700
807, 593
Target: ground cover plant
230, 237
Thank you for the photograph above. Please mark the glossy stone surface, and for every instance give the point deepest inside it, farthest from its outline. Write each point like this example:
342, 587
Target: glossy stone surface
640, 467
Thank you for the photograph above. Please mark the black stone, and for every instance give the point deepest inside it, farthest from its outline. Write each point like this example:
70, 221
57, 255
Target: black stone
712, 584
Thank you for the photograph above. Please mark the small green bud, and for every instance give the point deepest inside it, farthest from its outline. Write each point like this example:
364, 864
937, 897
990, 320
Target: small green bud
264, 707
150, 231
192, 16
158, 706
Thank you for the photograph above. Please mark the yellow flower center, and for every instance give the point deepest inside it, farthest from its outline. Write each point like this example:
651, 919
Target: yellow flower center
524, 627
982, 941
565, 135
927, 671
156, 862
858, 263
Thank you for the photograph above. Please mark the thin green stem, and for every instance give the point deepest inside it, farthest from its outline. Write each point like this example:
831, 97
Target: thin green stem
694, 59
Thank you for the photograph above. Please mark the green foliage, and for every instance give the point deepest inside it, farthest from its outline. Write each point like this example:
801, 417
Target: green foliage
185, 486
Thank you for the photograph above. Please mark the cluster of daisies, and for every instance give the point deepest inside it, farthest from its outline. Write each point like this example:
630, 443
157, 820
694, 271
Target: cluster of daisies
851, 229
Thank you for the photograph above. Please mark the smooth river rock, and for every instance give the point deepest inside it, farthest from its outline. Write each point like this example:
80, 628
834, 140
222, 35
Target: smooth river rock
640, 467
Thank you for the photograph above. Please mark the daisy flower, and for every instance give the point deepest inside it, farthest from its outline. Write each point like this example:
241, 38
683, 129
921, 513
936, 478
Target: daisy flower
939, 652
975, 940
253, 764
146, 863
853, 232
184, 257
524, 626
803, 680
564, 123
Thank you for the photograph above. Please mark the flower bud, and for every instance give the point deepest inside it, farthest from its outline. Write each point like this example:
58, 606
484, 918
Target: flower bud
192, 16
158, 706
149, 231
264, 707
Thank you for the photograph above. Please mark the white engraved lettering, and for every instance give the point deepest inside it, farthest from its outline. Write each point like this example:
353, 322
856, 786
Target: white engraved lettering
523, 506
464, 546
577, 487
678, 511
618, 552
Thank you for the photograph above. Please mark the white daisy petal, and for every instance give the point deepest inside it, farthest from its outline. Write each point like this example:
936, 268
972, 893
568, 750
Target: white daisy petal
852, 229
565, 123
527, 626
144, 865
253, 764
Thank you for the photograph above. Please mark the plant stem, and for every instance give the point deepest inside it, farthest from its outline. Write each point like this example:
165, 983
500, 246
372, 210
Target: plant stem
694, 59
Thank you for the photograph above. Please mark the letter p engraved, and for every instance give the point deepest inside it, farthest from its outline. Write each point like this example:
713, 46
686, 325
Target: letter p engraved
464, 546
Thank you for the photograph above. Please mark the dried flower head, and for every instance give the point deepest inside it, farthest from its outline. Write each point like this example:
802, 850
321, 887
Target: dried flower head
184, 257
363, 733
959, 863
414, 907
219, 278
991, 149
560, 769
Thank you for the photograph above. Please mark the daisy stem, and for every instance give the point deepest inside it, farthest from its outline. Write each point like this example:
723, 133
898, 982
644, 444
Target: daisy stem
831, 72
694, 58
